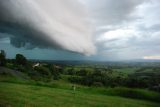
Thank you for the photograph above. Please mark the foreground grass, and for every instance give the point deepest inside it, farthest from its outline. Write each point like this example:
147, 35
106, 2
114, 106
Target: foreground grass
25, 95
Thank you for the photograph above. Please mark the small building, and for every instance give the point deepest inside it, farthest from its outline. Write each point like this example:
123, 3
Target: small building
36, 65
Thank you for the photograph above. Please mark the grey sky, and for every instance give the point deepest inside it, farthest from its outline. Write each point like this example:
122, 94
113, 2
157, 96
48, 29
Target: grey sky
119, 30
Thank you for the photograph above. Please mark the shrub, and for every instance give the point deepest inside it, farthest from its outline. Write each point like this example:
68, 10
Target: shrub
43, 71
97, 84
75, 79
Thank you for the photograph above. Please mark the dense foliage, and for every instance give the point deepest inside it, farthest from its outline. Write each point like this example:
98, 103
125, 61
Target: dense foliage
147, 77
20, 59
142, 78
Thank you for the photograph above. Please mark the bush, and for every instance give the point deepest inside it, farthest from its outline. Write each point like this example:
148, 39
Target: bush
155, 88
97, 84
71, 71
82, 72
35, 75
43, 71
10, 65
43, 74
75, 79
55, 72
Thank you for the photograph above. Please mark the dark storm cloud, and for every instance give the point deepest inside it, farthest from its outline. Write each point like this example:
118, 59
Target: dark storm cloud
42, 24
123, 29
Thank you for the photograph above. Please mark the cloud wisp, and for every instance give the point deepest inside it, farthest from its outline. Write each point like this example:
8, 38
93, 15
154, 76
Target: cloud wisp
51, 23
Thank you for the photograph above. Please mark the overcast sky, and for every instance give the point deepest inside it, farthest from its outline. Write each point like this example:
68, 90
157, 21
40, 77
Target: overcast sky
81, 29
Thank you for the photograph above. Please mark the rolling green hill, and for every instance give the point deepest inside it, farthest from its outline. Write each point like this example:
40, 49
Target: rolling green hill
18, 90
23, 95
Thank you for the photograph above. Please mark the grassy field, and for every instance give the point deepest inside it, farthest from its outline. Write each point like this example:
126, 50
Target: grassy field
27, 95
16, 90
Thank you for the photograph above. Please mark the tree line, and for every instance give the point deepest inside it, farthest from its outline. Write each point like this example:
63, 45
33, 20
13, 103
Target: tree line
97, 77
46, 72
110, 78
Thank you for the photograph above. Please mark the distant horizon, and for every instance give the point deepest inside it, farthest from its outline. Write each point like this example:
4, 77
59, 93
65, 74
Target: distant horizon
83, 60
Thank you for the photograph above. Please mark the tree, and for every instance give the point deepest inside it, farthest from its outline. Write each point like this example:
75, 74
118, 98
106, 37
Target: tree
43, 72
20, 59
2, 58
55, 71
82, 72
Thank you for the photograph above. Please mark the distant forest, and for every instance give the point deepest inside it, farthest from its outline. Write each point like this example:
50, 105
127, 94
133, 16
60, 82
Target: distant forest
133, 75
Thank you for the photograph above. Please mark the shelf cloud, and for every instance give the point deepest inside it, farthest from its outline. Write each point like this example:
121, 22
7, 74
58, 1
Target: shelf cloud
59, 24
103, 29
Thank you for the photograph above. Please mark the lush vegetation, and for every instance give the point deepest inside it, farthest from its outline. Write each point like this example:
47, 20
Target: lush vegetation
41, 83
148, 78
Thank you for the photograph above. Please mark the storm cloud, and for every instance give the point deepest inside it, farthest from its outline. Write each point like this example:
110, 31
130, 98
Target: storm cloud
118, 30
55, 24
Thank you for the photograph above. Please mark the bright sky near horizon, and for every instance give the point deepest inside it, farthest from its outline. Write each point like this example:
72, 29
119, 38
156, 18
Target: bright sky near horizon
81, 29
